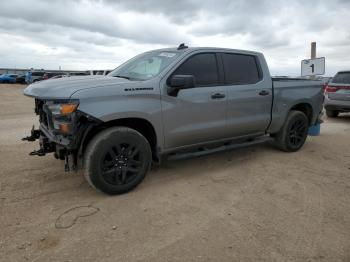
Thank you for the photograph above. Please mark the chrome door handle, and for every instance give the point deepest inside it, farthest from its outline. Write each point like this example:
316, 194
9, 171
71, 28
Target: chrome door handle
217, 96
264, 93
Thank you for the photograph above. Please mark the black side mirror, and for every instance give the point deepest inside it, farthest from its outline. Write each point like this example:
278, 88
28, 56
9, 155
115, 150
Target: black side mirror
178, 82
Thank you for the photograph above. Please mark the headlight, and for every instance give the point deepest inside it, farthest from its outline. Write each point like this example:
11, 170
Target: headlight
62, 115
63, 109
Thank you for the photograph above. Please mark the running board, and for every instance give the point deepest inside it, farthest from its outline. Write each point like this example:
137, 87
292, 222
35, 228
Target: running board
226, 147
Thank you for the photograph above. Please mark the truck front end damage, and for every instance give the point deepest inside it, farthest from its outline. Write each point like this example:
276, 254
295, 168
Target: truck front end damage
62, 128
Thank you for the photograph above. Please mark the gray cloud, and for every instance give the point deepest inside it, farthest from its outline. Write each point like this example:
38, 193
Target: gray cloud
102, 33
92, 17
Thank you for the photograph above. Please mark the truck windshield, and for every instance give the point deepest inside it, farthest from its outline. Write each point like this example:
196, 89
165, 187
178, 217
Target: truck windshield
145, 66
342, 78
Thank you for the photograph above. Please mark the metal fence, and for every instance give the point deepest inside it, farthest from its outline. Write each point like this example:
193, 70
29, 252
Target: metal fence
22, 71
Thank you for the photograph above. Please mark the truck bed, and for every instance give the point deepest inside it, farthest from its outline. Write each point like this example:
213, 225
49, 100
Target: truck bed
288, 92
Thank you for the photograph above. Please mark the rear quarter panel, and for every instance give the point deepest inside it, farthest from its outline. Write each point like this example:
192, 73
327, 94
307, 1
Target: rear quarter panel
289, 93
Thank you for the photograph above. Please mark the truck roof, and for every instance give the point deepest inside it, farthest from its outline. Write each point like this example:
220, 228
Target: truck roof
221, 49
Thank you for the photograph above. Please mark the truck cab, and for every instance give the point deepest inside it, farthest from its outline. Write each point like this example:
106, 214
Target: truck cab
231, 96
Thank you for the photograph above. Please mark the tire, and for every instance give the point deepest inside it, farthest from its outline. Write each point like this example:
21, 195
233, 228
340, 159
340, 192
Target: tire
332, 113
116, 160
294, 132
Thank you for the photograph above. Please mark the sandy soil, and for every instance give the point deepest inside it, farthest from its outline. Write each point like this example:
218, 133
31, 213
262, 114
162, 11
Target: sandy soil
251, 204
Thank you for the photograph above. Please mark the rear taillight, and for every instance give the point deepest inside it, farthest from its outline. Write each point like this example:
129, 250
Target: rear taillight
331, 89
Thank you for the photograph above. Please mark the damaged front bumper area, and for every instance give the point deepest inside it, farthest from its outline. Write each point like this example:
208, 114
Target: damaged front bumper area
63, 149
60, 132
45, 145
49, 142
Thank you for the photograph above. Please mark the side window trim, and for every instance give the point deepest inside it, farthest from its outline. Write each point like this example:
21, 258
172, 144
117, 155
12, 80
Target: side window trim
220, 81
257, 63
221, 68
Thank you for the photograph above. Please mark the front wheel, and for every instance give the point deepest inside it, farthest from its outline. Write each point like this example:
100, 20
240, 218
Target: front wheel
294, 132
117, 160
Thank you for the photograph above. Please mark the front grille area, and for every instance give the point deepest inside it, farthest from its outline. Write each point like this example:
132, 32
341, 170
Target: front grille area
41, 111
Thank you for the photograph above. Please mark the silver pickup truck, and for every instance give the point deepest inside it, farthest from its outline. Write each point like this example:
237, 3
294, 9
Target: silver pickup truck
170, 102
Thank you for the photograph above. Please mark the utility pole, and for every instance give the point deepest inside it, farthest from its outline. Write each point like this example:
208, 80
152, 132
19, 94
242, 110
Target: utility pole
313, 54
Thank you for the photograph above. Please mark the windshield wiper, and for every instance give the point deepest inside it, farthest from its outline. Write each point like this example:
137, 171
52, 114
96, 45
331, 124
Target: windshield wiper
126, 77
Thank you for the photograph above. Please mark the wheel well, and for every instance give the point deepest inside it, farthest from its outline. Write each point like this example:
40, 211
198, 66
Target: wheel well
141, 125
306, 109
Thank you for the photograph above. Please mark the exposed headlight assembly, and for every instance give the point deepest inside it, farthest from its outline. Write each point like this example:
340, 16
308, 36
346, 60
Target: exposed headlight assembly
63, 115
63, 109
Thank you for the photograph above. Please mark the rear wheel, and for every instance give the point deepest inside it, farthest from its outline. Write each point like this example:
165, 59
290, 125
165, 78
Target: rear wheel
293, 134
332, 113
117, 160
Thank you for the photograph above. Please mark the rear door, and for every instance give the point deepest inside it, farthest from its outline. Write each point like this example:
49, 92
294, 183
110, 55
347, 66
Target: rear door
198, 114
249, 93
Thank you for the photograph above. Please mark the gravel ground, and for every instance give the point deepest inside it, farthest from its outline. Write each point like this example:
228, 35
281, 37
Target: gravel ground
251, 204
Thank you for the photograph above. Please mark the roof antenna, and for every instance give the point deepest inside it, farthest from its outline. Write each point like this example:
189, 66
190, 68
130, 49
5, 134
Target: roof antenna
182, 46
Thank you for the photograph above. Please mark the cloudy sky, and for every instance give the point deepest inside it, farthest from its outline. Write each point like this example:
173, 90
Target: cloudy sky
101, 34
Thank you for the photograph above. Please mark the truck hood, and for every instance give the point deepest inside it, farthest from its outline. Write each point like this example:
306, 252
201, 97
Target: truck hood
63, 88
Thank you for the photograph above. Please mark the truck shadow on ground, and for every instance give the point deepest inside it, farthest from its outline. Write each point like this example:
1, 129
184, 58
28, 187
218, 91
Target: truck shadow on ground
211, 164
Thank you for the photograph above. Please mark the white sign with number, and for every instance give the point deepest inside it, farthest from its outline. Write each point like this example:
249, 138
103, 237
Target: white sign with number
312, 67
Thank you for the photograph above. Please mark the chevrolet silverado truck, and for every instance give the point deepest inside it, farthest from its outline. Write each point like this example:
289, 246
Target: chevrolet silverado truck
170, 102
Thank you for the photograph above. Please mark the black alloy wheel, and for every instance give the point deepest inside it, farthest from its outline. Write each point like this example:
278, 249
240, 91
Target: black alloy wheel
121, 164
297, 132
116, 160
293, 133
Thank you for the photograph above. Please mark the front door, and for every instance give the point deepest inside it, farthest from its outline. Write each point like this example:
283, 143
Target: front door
198, 114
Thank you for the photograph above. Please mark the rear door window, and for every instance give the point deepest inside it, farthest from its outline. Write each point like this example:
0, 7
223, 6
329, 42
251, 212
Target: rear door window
203, 67
240, 69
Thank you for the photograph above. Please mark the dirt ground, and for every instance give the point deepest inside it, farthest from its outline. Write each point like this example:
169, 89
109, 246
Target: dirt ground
251, 204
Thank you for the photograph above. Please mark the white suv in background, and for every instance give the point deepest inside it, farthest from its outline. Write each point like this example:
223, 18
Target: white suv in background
337, 94
99, 72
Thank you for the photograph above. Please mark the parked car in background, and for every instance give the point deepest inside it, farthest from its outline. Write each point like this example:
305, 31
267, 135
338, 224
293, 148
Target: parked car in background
49, 75
78, 74
21, 79
8, 78
326, 79
37, 76
337, 94
99, 72
59, 76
